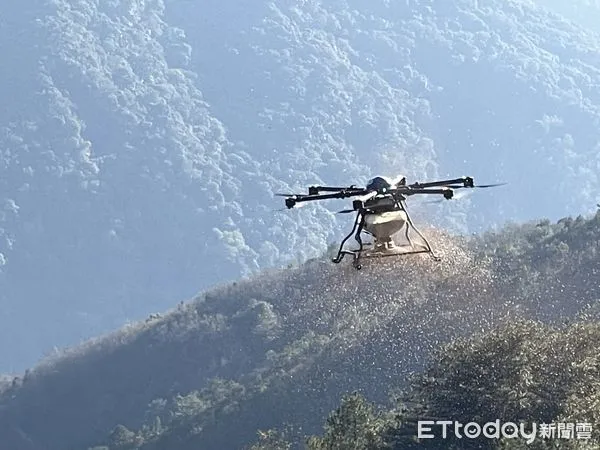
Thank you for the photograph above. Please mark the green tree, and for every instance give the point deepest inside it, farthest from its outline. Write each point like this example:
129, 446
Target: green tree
354, 425
122, 438
271, 440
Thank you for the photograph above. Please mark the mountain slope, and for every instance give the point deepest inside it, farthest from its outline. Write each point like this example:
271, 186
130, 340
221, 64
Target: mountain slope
586, 13
142, 141
495, 88
523, 372
99, 163
290, 343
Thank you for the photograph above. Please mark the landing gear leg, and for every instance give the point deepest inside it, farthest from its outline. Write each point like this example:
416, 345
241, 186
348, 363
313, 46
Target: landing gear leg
356, 231
358, 226
358, 253
430, 250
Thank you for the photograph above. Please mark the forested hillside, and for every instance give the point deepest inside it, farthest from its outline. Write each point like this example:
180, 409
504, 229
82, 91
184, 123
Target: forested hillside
583, 12
545, 379
280, 350
142, 140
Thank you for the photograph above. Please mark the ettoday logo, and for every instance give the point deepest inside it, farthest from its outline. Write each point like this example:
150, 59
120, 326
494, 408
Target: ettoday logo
507, 430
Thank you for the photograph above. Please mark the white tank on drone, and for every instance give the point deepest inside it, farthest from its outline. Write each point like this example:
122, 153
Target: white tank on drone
383, 225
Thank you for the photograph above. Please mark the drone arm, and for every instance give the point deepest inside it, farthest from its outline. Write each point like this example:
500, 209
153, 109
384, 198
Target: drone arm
465, 181
290, 202
315, 190
446, 192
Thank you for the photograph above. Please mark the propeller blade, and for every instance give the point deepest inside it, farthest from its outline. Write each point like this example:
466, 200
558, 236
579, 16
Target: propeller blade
490, 185
345, 211
463, 194
285, 195
460, 186
458, 196
452, 186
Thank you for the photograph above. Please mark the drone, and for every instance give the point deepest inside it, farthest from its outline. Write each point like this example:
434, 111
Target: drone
381, 214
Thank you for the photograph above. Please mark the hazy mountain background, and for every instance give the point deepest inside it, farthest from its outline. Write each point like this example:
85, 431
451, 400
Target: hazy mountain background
583, 12
142, 141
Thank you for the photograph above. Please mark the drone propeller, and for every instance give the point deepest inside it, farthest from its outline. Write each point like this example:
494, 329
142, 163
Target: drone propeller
490, 185
464, 194
483, 186
346, 211
296, 206
479, 186
456, 183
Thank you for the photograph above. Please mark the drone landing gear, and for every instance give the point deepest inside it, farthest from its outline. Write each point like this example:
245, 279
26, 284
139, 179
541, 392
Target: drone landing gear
381, 249
429, 250
358, 227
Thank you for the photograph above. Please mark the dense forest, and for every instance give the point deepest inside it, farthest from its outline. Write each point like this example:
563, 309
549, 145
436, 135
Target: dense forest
141, 141
506, 326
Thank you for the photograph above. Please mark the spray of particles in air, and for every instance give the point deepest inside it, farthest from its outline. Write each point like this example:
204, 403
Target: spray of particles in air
383, 319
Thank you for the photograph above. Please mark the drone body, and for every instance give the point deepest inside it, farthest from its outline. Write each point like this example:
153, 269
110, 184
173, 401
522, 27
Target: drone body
381, 214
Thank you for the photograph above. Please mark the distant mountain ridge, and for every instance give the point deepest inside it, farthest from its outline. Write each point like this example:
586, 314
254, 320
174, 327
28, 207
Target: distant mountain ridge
142, 142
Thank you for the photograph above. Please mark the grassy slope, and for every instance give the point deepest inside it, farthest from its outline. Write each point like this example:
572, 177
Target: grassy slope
305, 335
